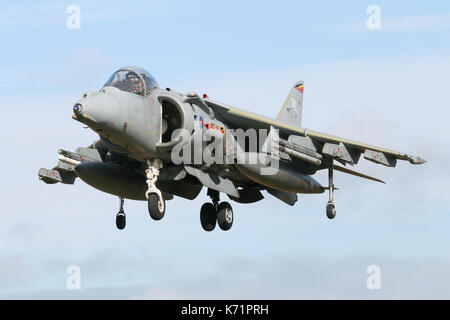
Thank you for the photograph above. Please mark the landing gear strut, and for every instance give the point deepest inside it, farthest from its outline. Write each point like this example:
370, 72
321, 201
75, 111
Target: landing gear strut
121, 219
156, 202
215, 212
331, 207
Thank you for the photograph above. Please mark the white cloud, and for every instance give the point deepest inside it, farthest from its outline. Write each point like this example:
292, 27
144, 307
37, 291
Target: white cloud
293, 277
24, 231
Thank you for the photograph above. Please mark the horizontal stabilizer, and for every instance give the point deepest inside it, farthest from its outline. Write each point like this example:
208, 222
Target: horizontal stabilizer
345, 170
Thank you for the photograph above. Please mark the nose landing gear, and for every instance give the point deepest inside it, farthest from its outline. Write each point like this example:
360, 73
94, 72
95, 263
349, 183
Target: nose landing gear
156, 202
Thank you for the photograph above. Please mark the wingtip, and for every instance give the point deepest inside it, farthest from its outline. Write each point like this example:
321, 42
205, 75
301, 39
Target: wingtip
416, 160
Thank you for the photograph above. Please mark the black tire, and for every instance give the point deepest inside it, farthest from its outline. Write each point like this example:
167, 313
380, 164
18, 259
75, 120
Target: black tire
208, 216
225, 216
156, 208
331, 210
121, 221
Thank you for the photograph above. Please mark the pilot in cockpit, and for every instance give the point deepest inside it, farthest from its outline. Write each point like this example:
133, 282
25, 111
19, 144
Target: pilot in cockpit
135, 83
134, 80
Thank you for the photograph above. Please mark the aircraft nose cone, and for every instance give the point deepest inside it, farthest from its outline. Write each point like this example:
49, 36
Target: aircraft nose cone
95, 109
77, 108
81, 113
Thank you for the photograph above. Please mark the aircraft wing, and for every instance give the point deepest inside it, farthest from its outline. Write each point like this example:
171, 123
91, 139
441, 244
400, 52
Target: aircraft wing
342, 150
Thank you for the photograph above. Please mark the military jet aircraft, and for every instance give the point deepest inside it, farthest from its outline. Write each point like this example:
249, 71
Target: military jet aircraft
145, 130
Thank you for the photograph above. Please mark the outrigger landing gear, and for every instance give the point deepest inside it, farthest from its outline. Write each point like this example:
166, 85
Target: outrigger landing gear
215, 212
121, 218
156, 202
331, 207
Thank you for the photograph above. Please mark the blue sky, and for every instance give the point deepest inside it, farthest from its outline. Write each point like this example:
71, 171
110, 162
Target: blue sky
387, 87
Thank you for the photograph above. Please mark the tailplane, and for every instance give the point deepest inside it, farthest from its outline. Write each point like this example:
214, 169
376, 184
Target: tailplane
291, 111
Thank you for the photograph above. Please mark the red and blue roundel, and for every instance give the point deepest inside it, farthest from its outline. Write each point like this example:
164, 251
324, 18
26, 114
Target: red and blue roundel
300, 87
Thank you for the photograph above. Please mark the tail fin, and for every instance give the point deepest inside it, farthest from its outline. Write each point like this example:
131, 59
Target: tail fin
291, 111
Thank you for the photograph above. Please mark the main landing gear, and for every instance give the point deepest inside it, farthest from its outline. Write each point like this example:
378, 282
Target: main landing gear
156, 202
121, 218
331, 207
215, 212
211, 213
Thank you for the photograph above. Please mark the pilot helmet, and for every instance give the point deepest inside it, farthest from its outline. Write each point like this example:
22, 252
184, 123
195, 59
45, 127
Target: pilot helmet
131, 74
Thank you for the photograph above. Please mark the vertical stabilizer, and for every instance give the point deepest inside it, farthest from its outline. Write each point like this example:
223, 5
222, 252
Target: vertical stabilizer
291, 111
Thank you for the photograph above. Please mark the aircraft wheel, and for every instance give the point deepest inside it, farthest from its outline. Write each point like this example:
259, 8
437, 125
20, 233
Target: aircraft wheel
156, 207
208, 216
225, 216
331, 210
121, 220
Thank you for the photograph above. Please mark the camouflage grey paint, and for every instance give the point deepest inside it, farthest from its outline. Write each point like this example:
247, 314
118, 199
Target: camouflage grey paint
133, 126
291, 111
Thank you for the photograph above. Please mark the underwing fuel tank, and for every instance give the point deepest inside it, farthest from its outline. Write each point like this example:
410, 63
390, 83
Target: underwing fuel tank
277, 175
113, 179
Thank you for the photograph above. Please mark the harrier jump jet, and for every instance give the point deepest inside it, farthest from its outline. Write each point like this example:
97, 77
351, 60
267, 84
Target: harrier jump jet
147, 150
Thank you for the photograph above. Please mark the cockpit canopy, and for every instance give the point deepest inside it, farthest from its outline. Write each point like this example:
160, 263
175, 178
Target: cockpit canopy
133, 79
